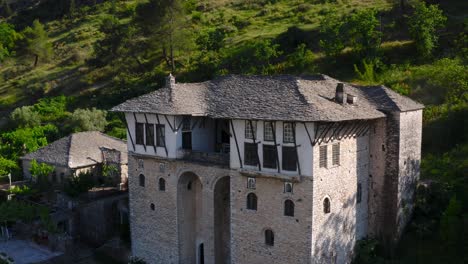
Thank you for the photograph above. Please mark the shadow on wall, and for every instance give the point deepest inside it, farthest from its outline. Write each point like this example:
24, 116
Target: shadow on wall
407, 191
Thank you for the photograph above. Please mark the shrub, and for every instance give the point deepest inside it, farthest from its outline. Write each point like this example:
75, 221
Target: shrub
88, 120
25, 117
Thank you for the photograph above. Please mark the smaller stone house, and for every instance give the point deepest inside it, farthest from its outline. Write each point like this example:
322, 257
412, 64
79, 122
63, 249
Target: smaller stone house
80, 152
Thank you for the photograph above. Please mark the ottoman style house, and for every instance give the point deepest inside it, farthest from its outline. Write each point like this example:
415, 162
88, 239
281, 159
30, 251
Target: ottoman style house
269, 169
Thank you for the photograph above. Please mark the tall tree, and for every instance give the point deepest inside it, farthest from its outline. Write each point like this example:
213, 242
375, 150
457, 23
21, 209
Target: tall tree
363, 33
332, 35
423, 25
8, 38
37, 42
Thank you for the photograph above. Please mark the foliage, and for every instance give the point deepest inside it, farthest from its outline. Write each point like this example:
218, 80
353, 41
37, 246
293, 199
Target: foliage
211, 39
12, 211
37, 42
40, 172
332, 32
108, 47
25, 116
21, 190
78, 184
423, 25
52, 109
362, 31
7, 166
8, 38
366, 252
451, 223
367, 75
301, 59
88, 120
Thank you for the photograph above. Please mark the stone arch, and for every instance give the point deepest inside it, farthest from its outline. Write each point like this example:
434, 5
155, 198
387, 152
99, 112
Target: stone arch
189, 214
222, 220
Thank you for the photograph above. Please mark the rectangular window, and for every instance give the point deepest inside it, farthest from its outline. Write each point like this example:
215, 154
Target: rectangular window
359, 193
250, 154
140, 133
336, 154
288, 133
268, 131
150, 134
250, 129
269, 156
289, 159
323, 156
160, 135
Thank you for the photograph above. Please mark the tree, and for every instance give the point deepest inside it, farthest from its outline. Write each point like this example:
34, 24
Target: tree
5, 9
107, 48
423, 24
7, 166
8, 38
37, 42
40, 172
332, 35
88, 120
363, 34
25, 117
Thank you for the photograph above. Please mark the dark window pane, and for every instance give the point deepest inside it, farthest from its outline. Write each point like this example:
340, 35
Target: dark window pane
269, 237
187, 140
359, 193
150, 134
160, 136
326, 205
269, 156
162, 184
252, 201
142, 180
288, 208
289, 159
139, 133
250, 154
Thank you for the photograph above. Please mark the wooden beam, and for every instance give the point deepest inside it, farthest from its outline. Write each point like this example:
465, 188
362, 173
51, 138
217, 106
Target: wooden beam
147, 123
165, 147
129, 133
254, 138
326, 130
273, 128
295, 147
237, 144
308, 134
134, 115
169, 122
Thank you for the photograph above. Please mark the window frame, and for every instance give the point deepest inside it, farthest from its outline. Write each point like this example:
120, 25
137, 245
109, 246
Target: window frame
139, 134
289, 139
252, 201
142, 180
149, 129
269, 237
323, 156
336, 154
250, 133
288, 184
252, 180
271, 127
162, 184
326, 205
271, 151
160, 135
290, 154
289, 208
248, 160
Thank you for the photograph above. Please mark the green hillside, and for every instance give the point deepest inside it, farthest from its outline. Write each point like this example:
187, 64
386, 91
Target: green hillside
81, 57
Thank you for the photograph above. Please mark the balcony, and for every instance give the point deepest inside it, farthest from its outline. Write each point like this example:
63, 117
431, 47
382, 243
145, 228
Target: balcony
217, 158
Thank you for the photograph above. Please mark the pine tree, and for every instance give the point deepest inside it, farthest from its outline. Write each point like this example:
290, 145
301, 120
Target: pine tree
37, 42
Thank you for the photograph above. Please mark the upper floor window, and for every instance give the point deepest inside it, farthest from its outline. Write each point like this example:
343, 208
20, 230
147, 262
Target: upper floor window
142, 180
359, 193
323, 156
250, 129
140, 133
326, 205
150, 134
268, 131
336, 154
160, 135
250, 154
289, 158
288, 132
269, 156
269, 237
162, 184
252, 201
288, 208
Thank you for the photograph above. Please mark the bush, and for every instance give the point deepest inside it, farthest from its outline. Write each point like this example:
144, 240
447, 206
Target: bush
366, 252
79, 184
26, 117
88, 120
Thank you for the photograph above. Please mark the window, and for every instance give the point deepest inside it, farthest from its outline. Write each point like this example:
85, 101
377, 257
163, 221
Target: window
250, 129
288, 208
288, 187
359, 193
142, 180
289, 159
288, 132
150, 134
326, 205
250, 154
336, 154
140, 133
268, 131
152, 206
269, 237
323, 156
160, 135
189, 185
252, 201
162, 184
186, 123
269, 156
251, 183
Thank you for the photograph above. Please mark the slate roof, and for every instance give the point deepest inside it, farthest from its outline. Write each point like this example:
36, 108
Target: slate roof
78, 150
282, 97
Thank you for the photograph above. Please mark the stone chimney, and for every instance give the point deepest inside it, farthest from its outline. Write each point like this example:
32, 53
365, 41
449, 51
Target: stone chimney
340, 95
170, 84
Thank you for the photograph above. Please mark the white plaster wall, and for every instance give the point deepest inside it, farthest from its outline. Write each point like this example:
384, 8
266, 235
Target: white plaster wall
302, 140
334, 234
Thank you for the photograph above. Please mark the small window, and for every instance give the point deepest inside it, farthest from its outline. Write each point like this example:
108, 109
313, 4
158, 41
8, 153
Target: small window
269, 156
289, 159
160, 135
323, 156
251, 183
288, 208
142, 180
268, 131
186, 124
162, 184
359, 193
150, 134
250, 129
336, 154
152, 207
326, 205
288, 187
141, 164
269, 237
140, 133
250, 154
252, 201
288, 132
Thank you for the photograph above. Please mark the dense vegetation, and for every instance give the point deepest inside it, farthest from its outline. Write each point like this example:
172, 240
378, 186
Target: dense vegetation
64, 63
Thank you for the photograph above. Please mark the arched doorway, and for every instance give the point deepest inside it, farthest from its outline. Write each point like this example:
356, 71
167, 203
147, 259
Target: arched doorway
189, 213
222, 221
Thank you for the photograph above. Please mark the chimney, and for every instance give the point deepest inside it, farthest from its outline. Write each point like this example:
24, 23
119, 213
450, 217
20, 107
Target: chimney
351, 99
170, 84
339, 95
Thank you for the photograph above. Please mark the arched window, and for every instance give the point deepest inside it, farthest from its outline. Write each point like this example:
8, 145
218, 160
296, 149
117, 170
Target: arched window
142, 180
252, 201
269, 237
326, 205
152, 206
162, 184
288, 208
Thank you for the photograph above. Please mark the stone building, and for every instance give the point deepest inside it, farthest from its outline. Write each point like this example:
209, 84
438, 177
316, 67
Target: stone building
268, 169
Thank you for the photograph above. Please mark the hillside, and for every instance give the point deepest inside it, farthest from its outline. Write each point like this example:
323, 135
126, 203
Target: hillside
99, 53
